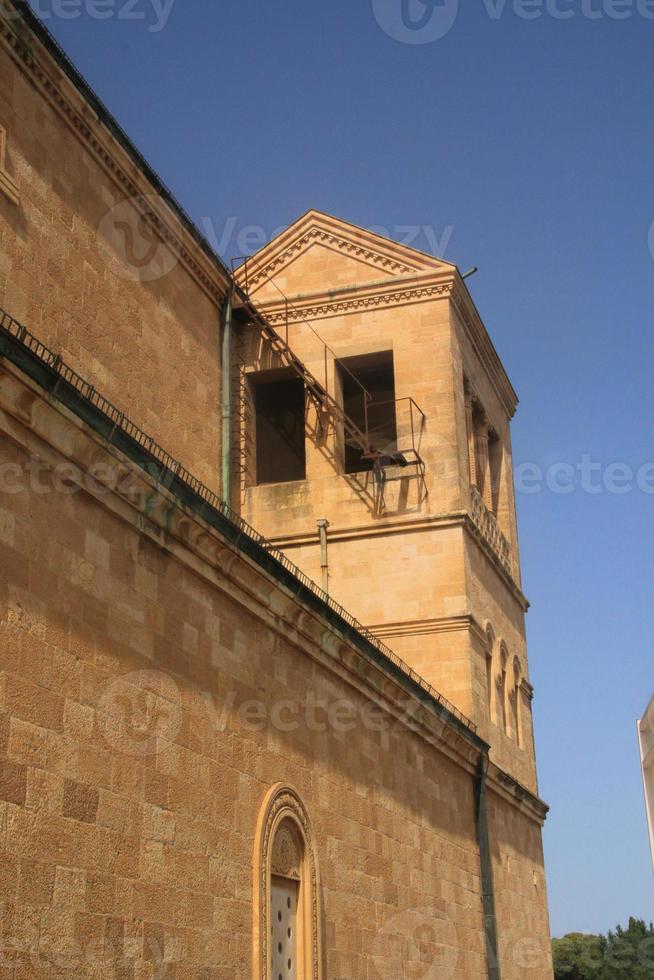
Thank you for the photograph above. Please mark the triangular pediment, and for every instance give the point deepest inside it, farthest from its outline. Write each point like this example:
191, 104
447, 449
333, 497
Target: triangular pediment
321, 254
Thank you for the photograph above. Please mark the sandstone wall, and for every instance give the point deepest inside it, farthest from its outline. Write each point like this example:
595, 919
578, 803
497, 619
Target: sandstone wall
147, 692
82, 270
137, 837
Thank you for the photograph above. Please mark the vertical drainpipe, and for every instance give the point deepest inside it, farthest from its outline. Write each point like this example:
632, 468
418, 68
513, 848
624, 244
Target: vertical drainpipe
226, 394
488, 894
323, 524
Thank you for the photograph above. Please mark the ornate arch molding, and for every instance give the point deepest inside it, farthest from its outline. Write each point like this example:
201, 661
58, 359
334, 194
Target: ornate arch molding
283, 806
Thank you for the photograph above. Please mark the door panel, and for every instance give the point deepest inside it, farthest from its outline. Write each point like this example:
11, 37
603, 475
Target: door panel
283, 930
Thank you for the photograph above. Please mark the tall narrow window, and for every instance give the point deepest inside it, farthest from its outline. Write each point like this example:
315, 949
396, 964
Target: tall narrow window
490, 660
374, 374
503, 692
280, 427
481, 429
489, 683
285, 882
287, 891
517, 695
495, 467
470, 431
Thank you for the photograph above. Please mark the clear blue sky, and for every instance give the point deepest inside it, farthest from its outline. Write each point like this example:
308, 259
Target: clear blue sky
532, 140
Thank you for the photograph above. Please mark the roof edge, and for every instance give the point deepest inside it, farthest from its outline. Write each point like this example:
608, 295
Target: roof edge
23, 12
404, 257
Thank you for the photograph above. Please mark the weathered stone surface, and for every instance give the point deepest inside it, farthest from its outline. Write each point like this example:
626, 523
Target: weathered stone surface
155, 684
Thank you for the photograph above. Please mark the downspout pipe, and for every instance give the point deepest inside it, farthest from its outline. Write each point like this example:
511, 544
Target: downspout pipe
488, 892
226, 396
323, 524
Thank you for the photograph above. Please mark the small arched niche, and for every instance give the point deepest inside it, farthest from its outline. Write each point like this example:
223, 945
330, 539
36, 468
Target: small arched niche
287, 926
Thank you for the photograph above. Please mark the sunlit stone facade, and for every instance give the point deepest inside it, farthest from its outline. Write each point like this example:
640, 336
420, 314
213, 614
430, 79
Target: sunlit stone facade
205, 769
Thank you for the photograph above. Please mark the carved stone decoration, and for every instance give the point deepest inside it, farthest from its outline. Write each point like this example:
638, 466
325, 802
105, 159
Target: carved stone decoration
285, 840
337, 242
286, 857
332, 308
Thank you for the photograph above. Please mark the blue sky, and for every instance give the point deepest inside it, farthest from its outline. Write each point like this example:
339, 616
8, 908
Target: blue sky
525, 146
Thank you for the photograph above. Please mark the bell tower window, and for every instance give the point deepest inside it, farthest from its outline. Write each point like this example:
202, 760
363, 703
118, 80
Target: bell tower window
279, 404
372, 374
515, 704
503, 690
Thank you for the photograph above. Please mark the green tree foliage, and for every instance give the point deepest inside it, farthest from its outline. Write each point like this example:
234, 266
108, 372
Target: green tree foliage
578, 957
626, 954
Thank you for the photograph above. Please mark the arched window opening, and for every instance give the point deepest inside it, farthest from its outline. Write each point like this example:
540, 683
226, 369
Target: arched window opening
503, 690
495, 459
490, 670
285, 883
287, 891
516, 701
489, 683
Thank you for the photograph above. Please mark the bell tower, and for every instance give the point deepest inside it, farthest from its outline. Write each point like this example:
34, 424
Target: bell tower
375, 450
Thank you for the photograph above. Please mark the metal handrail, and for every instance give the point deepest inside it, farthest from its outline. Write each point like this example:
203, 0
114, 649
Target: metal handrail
171, 471
244, 260
357, 436
301, 369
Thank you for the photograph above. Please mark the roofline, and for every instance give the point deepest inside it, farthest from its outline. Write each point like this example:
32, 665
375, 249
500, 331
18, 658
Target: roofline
54, 49
462, 286
273, 244
375, 234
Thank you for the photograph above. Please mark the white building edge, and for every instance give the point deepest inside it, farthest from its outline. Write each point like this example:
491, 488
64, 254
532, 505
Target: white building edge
646, 739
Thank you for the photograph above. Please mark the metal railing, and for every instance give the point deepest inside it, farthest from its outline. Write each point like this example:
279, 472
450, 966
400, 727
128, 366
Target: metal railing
410, 421
355, 435
66, 385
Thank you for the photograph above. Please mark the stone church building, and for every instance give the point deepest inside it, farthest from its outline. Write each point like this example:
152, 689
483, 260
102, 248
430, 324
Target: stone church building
265, 708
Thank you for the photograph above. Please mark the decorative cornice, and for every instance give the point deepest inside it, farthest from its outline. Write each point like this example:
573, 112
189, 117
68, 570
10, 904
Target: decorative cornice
425, 627
39, 65
368, 247
513, 791
379, 529
317, 235
372, 299
453, 519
